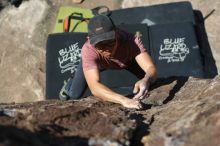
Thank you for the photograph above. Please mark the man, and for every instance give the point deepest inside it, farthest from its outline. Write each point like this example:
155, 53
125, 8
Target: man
108, 47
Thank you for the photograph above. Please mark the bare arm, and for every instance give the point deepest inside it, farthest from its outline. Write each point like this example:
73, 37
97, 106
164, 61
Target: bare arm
99, 90
146, 63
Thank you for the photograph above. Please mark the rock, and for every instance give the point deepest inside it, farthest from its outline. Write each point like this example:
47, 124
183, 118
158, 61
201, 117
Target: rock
178, 111
22, 60
190, 117
77, 1
97, 123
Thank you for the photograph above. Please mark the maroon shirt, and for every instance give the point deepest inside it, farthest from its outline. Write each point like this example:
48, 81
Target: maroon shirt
128, 46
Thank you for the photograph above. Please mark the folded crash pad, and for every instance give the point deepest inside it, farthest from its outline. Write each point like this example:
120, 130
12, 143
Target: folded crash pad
155, 14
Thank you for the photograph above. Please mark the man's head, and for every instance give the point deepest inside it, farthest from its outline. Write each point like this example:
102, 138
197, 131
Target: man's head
101, 29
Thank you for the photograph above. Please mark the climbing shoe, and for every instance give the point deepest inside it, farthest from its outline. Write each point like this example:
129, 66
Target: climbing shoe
63, 95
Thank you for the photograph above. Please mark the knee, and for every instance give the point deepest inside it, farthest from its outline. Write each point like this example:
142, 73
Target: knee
75, 95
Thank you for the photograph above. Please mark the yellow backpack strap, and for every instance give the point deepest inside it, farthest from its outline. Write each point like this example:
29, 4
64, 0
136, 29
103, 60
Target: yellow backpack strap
83, 20
79, 16
67, 20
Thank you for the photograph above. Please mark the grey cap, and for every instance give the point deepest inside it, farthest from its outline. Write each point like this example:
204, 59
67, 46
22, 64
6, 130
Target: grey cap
100, 28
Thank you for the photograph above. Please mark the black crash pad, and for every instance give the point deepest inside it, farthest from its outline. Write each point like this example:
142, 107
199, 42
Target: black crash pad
156, 14
63, 53
175, 50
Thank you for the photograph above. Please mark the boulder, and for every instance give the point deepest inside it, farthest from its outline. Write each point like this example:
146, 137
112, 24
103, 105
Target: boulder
178, 111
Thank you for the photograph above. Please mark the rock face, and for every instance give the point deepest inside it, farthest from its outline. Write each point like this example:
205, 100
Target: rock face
178, 112
190, 118
22, 59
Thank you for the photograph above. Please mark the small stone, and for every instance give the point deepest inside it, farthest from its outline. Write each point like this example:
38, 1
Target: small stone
77, 1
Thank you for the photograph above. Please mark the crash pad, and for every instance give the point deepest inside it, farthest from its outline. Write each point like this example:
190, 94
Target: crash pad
155, 14
175, 50
63, 54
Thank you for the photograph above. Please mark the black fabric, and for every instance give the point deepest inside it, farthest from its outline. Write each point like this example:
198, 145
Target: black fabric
63, 53
156, 14
121, 81
210, 68
175, 50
